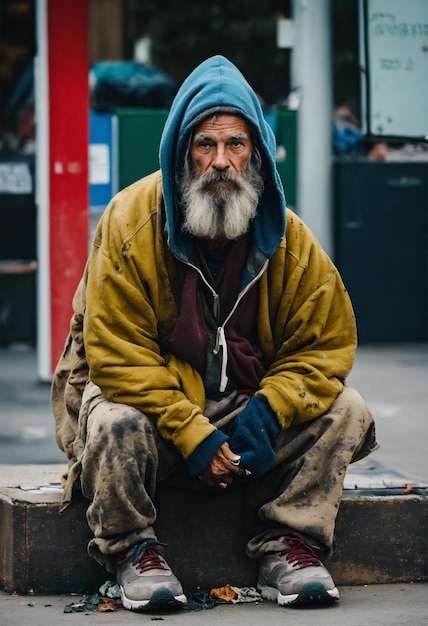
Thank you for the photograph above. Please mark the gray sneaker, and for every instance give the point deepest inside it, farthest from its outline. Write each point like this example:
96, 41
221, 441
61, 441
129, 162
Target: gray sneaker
146, 580
295, 576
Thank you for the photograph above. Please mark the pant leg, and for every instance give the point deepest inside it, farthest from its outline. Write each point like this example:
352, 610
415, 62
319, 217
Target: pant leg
308, 475
119, 471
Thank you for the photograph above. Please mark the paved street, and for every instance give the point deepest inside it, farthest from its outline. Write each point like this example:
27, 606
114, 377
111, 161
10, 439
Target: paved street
374, 605
26, 423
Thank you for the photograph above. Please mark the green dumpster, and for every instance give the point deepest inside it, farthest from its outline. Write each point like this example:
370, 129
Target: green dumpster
287, 153
138, 135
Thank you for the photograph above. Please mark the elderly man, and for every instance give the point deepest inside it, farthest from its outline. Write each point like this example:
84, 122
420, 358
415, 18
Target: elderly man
211, 340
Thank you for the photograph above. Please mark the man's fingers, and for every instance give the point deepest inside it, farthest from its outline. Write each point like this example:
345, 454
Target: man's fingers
221, 469
228, 454
218, 482
231, 460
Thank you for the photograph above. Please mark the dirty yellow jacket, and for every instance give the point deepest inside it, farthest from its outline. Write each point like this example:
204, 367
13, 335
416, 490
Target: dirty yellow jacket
124, 312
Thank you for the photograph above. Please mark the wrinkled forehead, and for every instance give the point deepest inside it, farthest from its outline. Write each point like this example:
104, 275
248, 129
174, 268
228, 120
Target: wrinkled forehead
222, 125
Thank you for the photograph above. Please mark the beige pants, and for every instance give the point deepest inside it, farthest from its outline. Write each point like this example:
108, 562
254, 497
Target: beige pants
124, 459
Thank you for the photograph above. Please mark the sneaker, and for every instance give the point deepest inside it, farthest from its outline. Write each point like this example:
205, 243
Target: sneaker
295, 576
146, 580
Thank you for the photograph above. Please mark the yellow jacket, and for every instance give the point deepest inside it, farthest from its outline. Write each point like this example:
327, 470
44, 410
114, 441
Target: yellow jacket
124, 312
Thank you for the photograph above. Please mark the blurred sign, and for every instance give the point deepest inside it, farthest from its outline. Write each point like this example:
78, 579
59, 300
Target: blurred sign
285, 33
15, 178
394, 51
99, 164
102, 159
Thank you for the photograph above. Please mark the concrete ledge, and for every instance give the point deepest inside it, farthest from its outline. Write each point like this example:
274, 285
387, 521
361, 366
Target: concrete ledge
380, 538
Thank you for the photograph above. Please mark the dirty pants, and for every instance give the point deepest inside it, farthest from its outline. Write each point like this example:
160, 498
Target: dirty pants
124, 460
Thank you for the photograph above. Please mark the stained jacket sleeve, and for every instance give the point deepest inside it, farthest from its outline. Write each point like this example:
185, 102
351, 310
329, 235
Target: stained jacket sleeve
307, 327
127, 298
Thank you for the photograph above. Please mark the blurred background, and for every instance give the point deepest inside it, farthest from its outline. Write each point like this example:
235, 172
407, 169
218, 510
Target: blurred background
85, 88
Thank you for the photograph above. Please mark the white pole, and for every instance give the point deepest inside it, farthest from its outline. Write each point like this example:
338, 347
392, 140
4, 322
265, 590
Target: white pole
311, 75
42, 193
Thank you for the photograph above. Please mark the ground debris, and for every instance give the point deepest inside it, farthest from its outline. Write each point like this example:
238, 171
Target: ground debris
236, 595
108, 598
93, 602
109, 604
226, 593
201, 600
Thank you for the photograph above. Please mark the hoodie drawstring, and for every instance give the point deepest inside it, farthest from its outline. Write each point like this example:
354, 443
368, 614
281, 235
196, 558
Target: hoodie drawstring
221, 343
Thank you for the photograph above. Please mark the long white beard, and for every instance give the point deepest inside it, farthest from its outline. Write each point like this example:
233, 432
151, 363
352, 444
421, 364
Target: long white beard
223, 210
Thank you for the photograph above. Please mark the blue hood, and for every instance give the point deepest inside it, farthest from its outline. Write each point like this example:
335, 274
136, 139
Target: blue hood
217, 82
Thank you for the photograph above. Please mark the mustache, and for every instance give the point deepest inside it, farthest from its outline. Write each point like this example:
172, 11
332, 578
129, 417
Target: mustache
219, 175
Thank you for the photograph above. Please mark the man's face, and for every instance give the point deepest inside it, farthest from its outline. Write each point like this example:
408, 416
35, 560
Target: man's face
220, 143
221, 188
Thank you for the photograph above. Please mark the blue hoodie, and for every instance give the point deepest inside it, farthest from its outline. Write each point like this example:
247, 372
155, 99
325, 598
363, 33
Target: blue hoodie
218, 83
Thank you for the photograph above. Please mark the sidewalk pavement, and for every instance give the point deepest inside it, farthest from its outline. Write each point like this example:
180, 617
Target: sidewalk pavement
373, 605
393, 379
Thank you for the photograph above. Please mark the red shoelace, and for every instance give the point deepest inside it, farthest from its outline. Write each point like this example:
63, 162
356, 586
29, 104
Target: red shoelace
146, 558
300, 553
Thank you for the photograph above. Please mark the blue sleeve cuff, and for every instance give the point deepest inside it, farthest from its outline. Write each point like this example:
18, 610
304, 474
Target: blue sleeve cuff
203, 454
265, 413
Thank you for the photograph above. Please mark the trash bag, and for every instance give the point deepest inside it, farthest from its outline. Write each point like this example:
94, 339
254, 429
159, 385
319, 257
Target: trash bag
128, 84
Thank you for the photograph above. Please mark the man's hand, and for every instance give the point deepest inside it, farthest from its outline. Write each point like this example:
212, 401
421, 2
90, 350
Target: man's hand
253, 435
220, 470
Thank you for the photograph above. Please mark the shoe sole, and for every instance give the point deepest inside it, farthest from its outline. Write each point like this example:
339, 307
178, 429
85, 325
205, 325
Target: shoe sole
161, 600
310, 593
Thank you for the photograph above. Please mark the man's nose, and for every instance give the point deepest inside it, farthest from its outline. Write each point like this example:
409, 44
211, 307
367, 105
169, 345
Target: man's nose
220, 161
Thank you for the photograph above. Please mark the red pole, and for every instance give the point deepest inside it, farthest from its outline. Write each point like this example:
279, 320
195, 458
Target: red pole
68, 102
